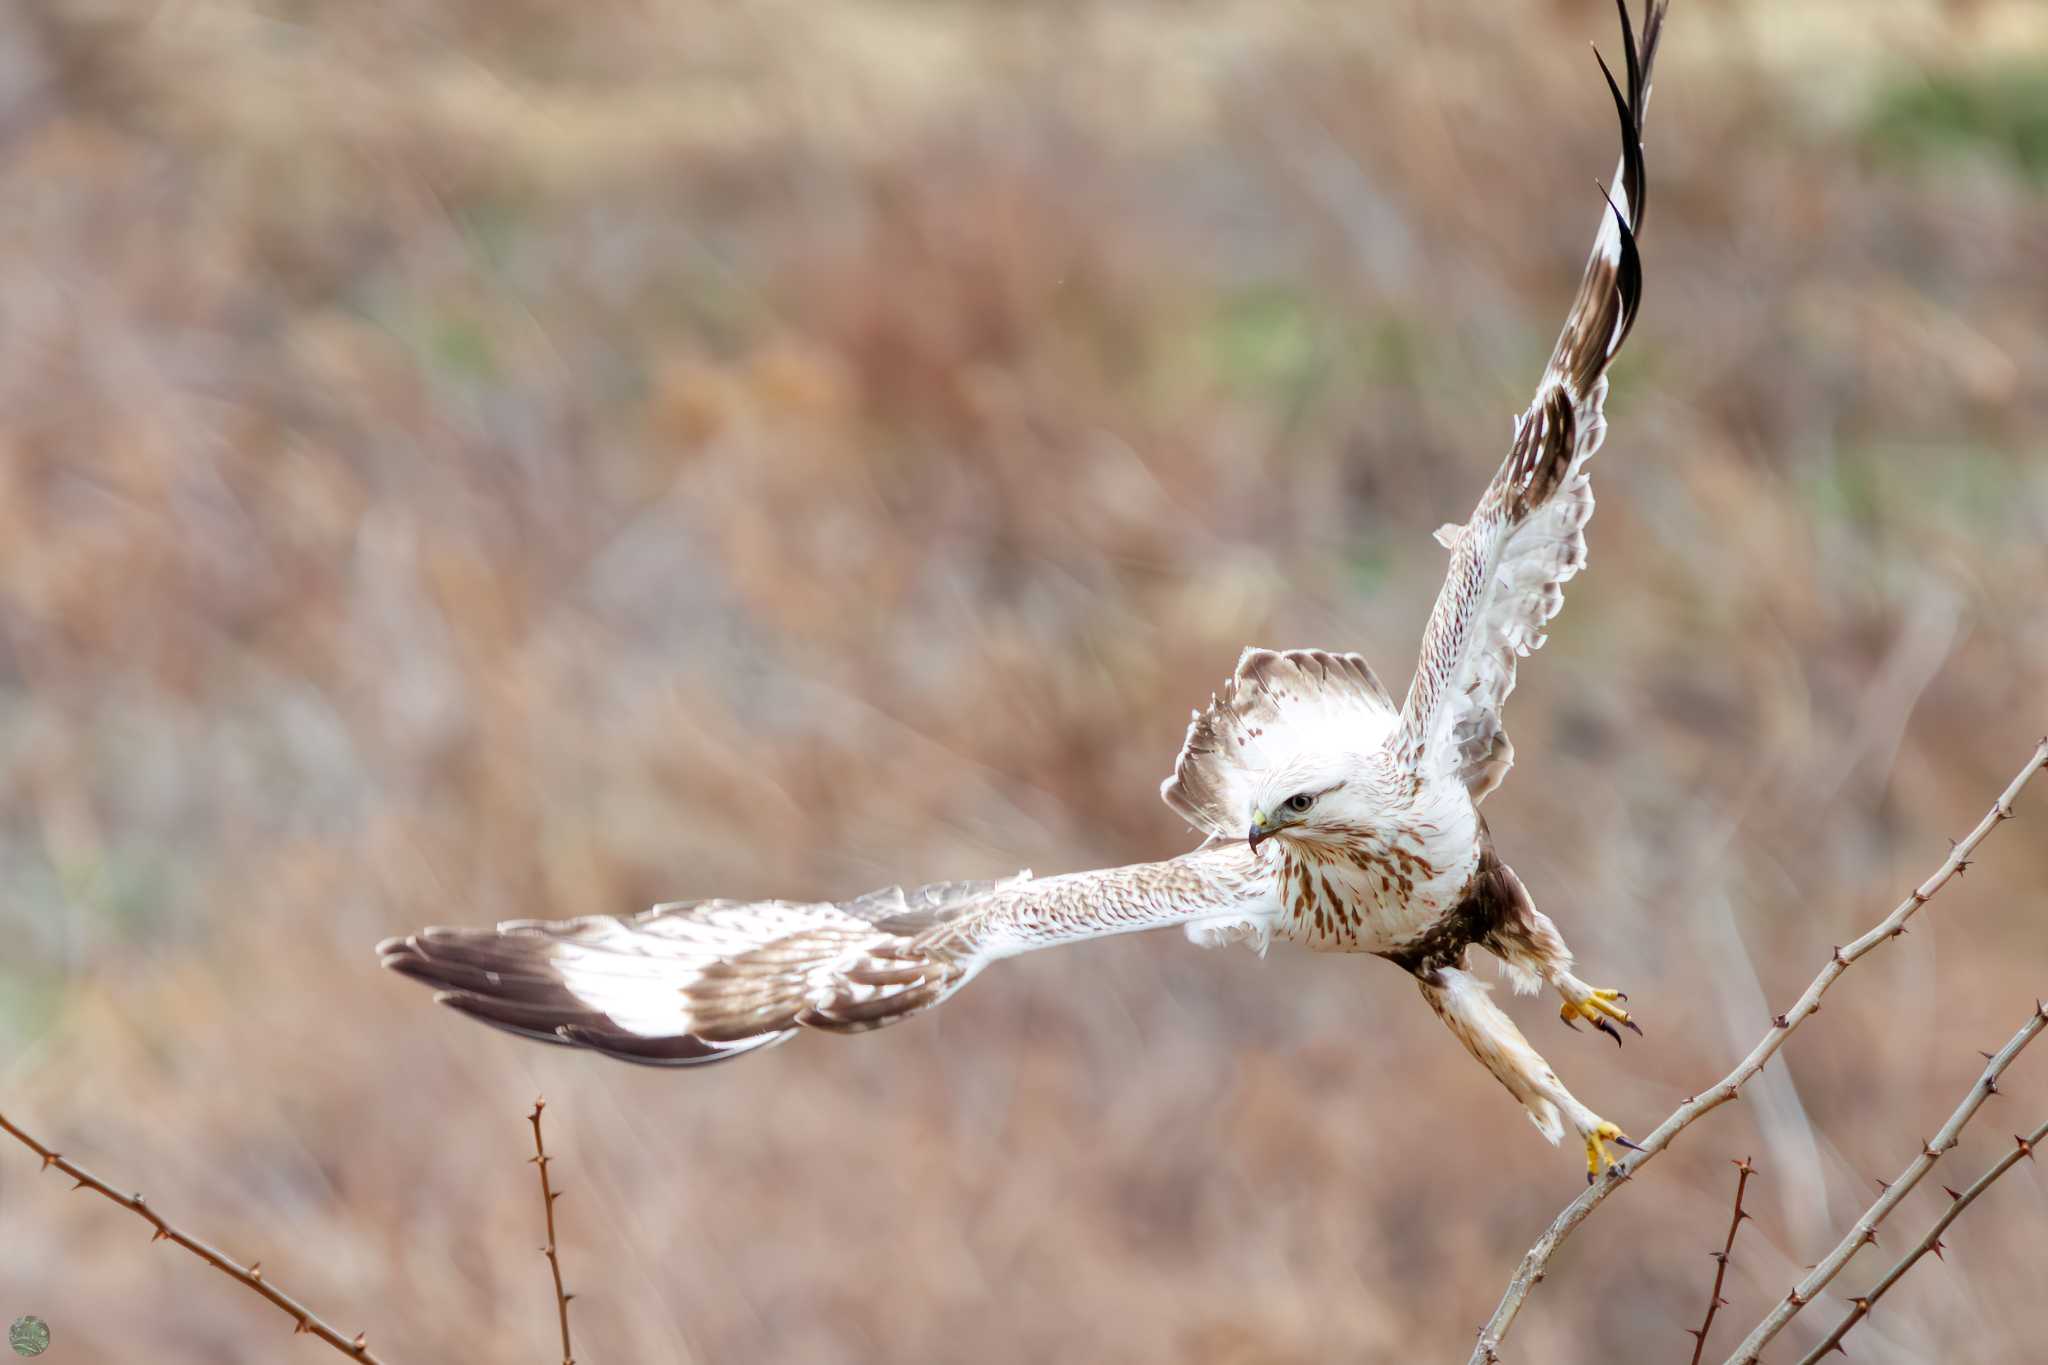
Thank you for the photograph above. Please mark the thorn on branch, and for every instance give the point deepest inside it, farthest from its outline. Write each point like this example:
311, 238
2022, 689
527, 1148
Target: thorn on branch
548, 1196
161, 1230
1538, 1257
1744, 1169
1959, 1200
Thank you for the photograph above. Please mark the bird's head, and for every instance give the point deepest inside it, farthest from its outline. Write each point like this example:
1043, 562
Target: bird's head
1310, 798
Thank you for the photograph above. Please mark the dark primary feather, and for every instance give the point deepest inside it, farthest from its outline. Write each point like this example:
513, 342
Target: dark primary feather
736, 976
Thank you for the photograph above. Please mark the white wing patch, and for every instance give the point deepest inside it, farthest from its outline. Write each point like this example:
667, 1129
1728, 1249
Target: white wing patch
1274, 708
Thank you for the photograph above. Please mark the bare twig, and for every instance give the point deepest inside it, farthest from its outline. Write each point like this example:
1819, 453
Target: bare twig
1860, 1306
548, 1196
1865, 1231
250, 1276
1714, 1300
1529, 1273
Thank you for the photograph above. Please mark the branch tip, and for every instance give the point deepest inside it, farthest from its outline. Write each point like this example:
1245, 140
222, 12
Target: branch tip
1530, 1272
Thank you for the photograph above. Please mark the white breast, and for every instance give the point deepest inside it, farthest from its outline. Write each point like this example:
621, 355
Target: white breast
1373, 890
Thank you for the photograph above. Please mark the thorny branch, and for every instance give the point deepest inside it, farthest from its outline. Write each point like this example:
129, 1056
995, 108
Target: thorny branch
548, 1196
1714, 1300
1536, 1260
250, 1276
1860, 1306
1865, 1230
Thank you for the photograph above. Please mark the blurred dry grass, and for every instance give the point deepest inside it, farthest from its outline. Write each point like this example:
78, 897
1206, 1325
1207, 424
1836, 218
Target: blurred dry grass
479, 459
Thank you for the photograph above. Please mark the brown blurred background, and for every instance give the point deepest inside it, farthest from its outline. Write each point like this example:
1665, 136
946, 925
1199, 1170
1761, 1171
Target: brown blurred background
494, 458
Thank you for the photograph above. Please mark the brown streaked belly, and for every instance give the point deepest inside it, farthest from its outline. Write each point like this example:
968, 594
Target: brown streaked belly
1483, 907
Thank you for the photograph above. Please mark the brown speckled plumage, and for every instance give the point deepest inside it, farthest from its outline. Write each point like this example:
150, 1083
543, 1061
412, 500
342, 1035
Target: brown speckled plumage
1332, 817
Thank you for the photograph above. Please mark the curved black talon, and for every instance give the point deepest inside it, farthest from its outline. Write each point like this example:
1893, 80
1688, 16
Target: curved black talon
1618, 1138
1632, 1024
1567, 1021
1607, 1029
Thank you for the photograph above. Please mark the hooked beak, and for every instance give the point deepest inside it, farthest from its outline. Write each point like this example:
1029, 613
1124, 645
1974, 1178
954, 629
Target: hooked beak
1262, 830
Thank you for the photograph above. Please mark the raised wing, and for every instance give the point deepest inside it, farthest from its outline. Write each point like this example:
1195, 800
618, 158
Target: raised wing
1525, 541
1274, 708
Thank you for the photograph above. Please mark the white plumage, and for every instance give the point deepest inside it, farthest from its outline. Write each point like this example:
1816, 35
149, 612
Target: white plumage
1331, 816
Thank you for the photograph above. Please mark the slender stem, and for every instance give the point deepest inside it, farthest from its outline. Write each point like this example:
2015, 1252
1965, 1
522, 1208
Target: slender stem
1860, 1306
1529, 1273
1865, 1231
250, 1276
1714, 1300
548, 1196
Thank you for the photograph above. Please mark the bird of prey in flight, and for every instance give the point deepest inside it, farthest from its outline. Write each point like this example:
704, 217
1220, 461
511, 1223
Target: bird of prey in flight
1333, 817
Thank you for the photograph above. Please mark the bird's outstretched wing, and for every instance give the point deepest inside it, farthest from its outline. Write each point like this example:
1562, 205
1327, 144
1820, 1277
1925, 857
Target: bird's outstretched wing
1525, 540
703, 981
1274, 707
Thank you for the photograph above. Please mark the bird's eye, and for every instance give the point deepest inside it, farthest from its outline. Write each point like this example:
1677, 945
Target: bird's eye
1300, 802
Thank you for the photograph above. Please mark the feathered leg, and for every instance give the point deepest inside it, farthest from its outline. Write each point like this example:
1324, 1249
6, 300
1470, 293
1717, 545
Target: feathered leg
1532, 950
1460, 1000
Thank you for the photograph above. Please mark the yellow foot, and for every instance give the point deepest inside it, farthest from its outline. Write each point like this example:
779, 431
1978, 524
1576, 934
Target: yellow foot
1597, 1007
1596, 1148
